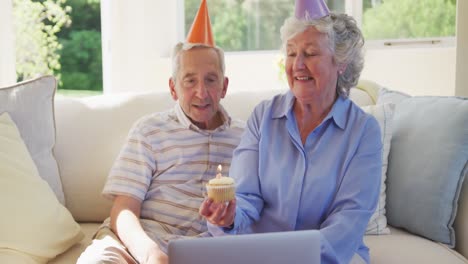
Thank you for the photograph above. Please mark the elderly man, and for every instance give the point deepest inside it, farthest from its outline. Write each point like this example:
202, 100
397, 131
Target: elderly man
157, 182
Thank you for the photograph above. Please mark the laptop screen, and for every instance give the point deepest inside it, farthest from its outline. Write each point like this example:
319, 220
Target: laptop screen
272, 248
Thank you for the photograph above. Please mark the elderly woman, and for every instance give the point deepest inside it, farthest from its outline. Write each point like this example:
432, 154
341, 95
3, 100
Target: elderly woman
310, 158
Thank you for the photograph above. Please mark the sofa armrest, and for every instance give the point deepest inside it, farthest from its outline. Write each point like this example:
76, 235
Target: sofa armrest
461, 220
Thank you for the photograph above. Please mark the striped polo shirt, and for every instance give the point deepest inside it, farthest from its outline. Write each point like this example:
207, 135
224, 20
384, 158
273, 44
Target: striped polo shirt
166, 163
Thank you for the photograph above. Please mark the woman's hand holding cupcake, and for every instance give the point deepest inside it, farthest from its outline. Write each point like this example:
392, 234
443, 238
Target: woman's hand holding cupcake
220, 206
219, 214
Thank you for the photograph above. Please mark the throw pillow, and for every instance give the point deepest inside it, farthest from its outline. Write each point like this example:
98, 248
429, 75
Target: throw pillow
426, 161
34, 225
30, 105
390, 96
17, 257
384, 115
371, 88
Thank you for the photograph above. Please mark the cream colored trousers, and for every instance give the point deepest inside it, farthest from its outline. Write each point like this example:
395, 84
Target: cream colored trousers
106, 248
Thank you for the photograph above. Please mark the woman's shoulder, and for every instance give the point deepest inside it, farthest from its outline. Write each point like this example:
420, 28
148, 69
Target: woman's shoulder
277, 102
362, 115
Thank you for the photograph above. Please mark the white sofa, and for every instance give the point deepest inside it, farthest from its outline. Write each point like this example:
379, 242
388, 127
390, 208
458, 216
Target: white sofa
90, 132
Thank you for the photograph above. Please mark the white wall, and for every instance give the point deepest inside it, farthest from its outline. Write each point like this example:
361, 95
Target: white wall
137, 35
416, 71
253, 71
141, 35
7, 50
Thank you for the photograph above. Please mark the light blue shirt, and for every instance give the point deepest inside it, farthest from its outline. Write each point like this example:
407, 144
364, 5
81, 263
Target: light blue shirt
331, 183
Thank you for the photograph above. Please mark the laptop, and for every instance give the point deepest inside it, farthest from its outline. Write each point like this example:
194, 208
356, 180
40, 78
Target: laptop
271, 248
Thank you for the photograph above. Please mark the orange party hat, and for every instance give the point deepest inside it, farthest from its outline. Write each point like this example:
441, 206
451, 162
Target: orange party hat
200, 32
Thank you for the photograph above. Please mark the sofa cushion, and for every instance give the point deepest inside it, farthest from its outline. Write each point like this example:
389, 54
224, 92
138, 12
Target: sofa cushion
403, 247
30, 105
390, 96
370, 88
34, 225
384, 115
90, 134
429, 151
72, 255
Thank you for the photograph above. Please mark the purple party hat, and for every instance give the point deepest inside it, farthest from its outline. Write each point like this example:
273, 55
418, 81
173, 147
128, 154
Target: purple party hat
311, 9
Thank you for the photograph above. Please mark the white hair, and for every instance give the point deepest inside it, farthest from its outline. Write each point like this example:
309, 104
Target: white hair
346, 44
181, 46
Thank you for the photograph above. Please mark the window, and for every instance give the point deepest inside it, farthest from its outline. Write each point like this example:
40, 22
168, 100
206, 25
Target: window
403, 19
36, 25
62, 38
81, 53
249, 25
240, 25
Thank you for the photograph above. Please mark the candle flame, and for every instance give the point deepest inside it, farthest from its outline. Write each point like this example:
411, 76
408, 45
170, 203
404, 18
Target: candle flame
220, 168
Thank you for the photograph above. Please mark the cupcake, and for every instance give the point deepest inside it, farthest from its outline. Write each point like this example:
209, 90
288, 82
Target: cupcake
221, 189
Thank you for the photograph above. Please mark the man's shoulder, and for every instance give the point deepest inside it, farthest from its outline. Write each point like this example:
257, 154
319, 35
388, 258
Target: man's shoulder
157, 120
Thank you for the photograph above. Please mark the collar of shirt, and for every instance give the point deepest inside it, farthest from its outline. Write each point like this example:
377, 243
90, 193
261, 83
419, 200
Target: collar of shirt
337, 113
187, 123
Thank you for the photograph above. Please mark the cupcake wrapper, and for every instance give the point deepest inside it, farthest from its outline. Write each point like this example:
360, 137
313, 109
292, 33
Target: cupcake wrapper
221, 193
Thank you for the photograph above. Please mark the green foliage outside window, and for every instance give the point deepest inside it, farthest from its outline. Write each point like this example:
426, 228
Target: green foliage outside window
82, 60
81, 55
59, 37
36, 27
410, 19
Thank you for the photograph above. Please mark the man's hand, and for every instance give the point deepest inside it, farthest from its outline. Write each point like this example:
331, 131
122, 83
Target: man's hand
218, 214
125, 223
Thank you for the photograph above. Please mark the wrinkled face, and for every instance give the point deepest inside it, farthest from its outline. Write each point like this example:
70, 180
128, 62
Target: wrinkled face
199, 86
310, 67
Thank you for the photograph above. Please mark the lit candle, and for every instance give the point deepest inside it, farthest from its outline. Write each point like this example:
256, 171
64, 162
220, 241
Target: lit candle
219, 175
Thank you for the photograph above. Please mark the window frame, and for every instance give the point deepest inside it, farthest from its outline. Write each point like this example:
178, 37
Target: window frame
354, 8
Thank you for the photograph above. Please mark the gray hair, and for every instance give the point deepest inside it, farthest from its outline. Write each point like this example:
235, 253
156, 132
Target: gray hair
346, 44
181, 46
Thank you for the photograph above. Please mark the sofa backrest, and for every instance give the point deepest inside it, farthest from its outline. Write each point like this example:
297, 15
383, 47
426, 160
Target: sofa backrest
91, 131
